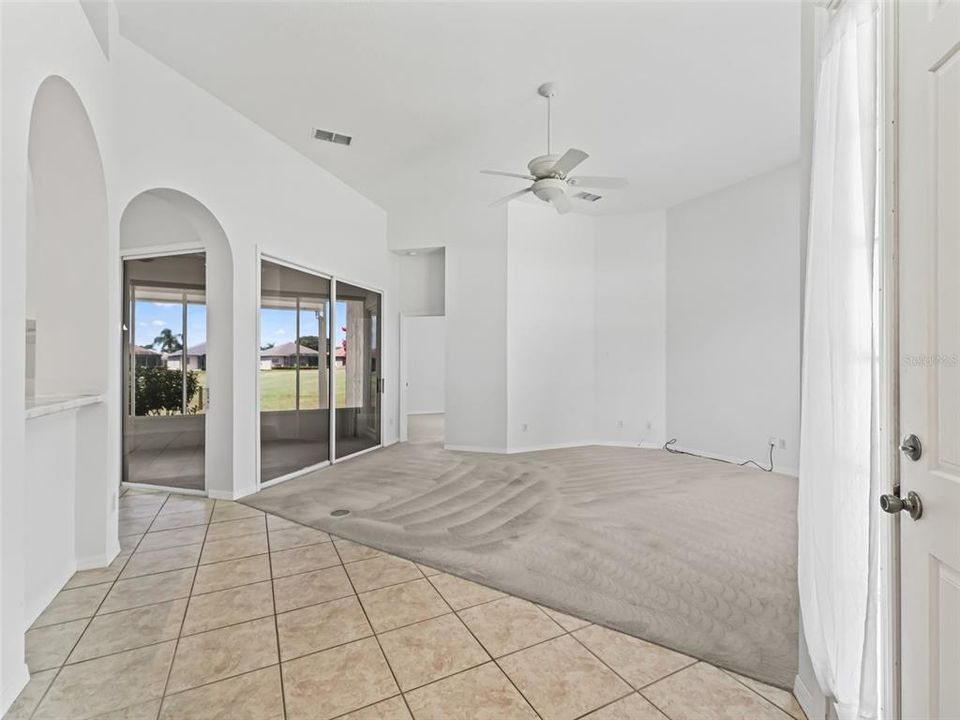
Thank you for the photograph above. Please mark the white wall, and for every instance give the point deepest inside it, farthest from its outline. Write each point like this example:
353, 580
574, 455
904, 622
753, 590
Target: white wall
38, 40
630, 342
424, 343
733, 309
550, 300
422, 282
475, 241
50, 539
155, 129
267, 197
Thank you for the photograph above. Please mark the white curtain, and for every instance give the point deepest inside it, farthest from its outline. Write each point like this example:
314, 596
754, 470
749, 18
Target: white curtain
837, 522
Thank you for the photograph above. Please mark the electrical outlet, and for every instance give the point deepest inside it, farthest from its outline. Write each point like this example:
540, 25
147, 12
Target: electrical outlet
777, 442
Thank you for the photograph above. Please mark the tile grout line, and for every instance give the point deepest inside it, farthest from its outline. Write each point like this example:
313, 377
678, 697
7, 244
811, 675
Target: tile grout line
535, 602
369, 705
208, 564
62, 665
276, 622
607, 666
783, 710
606, 705
203, 594
375, 636
477, 640
138, 548
695, 660
670, 674
658, 708
183, 620
576, 639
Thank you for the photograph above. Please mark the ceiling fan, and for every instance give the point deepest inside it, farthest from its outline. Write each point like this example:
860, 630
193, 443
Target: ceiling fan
550, 173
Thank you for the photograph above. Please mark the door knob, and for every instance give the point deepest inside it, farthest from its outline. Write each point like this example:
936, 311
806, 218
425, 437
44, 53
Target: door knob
911, 447
893, 504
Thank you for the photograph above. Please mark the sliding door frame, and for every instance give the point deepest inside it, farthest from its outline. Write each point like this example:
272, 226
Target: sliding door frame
369, 288
140, 253
332, 382
261, 256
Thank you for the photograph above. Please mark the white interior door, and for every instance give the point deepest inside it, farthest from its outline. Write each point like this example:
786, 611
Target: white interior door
929, 227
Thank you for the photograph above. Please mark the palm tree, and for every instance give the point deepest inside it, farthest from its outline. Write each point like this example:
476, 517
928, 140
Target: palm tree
167, 341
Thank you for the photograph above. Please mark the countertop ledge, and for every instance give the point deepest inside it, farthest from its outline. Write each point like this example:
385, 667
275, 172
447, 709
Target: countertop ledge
52, 404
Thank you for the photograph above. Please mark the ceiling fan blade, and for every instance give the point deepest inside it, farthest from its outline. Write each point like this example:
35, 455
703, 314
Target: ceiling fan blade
511, 196
598, 182
571, 158
562, 204
507, 174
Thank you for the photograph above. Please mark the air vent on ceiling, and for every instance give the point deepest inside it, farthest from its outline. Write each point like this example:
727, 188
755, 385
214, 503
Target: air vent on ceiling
589, 197
333, 137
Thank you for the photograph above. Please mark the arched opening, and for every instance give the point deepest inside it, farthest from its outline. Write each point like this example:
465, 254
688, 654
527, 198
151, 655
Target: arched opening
178, 341
67, 516
67, 292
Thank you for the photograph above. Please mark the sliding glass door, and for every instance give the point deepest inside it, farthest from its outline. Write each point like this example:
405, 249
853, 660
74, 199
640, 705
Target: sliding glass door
165, 370
319, 359
294, 370
358, 371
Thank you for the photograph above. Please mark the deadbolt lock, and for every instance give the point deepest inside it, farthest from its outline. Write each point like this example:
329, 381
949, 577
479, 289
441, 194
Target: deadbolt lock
911, 447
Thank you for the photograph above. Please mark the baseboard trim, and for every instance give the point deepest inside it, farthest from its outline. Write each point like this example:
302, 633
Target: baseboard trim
553, 446
163, 489
548, 446
101, 560
229, 494
628, 444
813, 706
476, 449
14, 687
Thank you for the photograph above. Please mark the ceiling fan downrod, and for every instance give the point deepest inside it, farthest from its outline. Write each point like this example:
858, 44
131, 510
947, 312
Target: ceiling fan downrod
548, 90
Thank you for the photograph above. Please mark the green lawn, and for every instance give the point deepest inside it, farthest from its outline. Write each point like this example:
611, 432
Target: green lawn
278, 387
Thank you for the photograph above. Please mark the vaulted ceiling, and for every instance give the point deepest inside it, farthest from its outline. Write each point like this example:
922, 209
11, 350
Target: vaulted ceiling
680, 97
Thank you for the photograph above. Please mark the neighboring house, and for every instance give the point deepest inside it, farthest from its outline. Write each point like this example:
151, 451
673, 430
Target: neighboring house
284, 355
196, 358
340, 355
146, 357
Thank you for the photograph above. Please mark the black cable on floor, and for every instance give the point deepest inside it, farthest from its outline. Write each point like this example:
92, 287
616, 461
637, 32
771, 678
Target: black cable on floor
668, 443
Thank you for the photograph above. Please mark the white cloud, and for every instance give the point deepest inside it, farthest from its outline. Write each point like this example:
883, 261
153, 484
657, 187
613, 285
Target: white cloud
280, 331
158, 323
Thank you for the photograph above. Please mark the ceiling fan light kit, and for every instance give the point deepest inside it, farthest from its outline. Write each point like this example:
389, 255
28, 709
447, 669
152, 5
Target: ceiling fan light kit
550, 173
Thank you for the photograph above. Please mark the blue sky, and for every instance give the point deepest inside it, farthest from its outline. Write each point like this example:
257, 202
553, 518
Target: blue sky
152, 317
276, 326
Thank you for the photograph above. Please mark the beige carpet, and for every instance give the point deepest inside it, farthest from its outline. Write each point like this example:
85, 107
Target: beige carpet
696, 555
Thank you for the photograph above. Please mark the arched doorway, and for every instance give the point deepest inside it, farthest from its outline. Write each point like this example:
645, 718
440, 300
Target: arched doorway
68, 317
177, 344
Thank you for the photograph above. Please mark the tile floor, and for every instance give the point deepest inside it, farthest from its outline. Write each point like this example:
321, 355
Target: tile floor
215, 610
